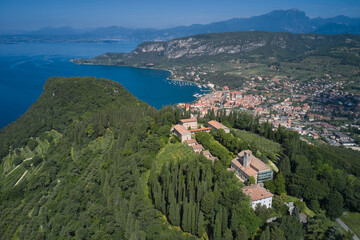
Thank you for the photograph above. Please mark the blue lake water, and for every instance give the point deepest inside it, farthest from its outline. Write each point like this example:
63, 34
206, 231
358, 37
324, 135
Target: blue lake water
24, 69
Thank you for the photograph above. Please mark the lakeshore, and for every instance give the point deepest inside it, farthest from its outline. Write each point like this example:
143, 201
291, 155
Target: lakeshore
26, 67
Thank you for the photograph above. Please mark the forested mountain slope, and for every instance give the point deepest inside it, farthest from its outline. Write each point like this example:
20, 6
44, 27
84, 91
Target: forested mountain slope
90, 161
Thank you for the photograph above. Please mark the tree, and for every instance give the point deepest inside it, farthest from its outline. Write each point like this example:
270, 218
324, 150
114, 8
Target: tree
251, 180
217, 227
296, 213
291, 227
207, 202
284, 166
242, 233
269, 184
200, 224
276, 233
318, 226
334, 204
279, 183
334, 233
262, 212
227, 235
265, 235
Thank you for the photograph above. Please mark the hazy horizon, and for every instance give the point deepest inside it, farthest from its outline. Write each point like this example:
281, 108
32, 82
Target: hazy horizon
33, 15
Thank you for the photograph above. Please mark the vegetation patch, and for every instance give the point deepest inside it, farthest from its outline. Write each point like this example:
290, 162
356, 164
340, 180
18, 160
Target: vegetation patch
352, 220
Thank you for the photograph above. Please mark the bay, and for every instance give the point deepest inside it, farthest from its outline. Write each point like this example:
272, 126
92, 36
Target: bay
25, 67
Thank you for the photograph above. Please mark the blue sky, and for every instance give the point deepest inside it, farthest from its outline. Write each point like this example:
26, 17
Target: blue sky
34, 14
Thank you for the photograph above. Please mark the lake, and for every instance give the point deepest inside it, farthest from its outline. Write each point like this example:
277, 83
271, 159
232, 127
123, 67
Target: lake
25, 67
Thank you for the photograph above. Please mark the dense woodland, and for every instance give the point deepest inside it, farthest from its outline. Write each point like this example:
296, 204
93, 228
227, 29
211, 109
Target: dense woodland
90, 161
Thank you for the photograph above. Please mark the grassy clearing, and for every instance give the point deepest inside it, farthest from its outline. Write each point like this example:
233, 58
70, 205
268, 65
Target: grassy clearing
266, 147
352, 220
173, 151
303, 208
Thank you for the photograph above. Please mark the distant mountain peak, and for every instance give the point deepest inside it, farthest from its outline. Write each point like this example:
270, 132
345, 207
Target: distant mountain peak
291, 20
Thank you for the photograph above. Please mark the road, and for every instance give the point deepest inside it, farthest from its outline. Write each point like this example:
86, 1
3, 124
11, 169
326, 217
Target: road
342, 224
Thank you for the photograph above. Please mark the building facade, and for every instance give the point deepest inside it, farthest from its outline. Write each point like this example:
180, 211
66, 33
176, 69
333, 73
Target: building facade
246, 165
181, 132
189, 123
258, 195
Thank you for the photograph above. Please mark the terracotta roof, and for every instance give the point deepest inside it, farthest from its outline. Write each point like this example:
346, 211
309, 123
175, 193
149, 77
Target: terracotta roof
200, 129
248, 171
188, 120
256, 163
256, 192
190, 141
217, 125
181, 129
206, 153
197, 146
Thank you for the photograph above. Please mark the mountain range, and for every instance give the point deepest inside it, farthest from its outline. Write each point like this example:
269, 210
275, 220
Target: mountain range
292, 21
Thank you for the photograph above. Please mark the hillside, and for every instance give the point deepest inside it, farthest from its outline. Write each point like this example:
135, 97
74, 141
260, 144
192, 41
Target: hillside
229, 58
90, 161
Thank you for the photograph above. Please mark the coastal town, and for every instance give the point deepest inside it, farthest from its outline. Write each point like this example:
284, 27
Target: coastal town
321, 110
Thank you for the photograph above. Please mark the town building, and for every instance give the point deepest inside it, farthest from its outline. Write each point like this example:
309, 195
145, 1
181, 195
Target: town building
198, 148
181, 132
246, 165
258, 195
215, 125
190, 142
189, 123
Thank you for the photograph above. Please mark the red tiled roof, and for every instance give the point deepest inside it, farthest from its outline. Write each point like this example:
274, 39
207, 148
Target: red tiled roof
248, 171
188, 120
200, 129
180, 129
197, 146
256, 163
256, 192
190, 141
206, 153
216, 124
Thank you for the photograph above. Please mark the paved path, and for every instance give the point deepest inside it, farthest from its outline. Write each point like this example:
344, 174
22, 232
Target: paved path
346, 227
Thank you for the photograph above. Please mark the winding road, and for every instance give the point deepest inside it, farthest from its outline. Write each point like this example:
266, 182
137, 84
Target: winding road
343, 225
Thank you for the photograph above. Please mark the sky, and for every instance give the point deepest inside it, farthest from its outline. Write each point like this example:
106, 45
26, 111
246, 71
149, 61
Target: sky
34, 14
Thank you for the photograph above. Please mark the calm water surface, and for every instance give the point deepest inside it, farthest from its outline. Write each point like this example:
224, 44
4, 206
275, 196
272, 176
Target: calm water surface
24, 68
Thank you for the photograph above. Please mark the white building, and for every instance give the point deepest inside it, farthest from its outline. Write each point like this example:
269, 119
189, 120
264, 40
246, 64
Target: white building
258, 195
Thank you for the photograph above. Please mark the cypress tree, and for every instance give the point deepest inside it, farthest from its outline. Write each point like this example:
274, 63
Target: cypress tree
163, 203
193, 218
172, 213
157, 194
200, 225
217, 227
185, 217
199, 192
177, 216
224, 219
280, 183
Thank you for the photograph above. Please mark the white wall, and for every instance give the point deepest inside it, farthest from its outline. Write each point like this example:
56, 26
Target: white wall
266, 201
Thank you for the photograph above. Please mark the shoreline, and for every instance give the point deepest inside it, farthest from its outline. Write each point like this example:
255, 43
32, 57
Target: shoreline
160, 69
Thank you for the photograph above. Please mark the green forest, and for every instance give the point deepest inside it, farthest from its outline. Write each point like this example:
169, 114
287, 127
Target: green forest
90, 161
